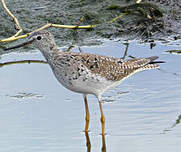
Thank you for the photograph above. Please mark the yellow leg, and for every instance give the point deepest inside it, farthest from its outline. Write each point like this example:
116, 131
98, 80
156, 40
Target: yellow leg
88, 144
103, 143
102, 118
87, 118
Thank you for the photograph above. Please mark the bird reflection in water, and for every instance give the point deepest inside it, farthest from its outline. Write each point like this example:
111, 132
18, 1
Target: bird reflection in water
88, 142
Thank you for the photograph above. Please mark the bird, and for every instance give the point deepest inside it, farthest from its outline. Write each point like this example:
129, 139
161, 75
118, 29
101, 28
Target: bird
87, 73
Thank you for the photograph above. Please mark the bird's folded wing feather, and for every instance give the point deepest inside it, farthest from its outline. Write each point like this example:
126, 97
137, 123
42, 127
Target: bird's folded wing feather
111, 68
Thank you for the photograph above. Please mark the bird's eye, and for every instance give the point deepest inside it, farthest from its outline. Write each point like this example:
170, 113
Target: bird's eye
39, 37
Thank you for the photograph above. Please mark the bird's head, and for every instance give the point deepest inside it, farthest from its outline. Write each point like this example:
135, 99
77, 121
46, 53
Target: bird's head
43, 40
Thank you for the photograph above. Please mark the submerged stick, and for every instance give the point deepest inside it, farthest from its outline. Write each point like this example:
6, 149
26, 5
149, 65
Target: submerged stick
22, 62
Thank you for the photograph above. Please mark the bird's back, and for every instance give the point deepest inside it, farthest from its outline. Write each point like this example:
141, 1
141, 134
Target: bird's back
113, 69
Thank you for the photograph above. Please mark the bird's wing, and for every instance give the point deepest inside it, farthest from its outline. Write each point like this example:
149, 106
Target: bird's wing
113, 69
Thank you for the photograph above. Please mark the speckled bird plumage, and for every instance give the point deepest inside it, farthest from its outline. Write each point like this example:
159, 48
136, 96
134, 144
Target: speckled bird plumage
88, 73
94, 74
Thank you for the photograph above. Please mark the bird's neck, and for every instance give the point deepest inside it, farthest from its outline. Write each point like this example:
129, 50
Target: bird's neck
49, 53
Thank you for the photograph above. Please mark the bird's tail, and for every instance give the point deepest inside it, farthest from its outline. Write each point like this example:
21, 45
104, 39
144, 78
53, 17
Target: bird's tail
152, 64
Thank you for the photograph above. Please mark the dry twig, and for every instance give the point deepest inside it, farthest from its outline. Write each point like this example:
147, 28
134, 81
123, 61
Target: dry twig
17, 25
138, 1
18, 36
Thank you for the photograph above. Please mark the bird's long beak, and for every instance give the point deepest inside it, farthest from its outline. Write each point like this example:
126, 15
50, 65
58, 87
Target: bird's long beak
19, 45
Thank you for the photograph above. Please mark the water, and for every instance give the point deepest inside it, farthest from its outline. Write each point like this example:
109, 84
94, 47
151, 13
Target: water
37, 114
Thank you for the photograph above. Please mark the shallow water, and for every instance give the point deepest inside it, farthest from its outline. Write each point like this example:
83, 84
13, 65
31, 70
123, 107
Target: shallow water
37, 114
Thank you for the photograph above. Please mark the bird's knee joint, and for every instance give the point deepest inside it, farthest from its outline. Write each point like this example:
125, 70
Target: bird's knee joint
87, 119
103, 119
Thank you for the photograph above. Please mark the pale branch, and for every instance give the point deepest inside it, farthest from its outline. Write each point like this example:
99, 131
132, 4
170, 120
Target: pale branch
18, 36
19, 28
138, 1
116, 18
13, 38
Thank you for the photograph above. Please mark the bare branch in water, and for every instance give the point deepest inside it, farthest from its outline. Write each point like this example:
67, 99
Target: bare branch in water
22, 62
